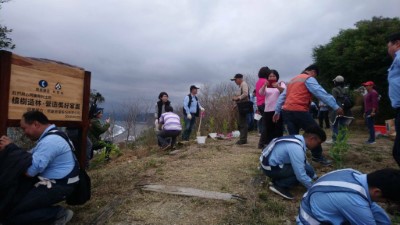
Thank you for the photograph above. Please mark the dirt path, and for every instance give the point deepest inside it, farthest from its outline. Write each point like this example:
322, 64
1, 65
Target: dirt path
219, 166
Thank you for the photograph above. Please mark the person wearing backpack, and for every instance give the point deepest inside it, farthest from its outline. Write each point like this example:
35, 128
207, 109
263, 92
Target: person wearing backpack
54, 169
191, 110
343, 99
284, 160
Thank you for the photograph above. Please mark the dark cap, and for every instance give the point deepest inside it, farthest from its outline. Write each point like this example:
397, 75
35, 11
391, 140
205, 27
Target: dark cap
193, 87
237, 76
312, 67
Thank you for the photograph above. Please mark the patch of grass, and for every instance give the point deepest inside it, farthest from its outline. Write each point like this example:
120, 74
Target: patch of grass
153, 163
263, 196
376, 157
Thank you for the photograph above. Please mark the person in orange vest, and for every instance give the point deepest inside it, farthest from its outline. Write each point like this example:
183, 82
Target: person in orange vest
294, 104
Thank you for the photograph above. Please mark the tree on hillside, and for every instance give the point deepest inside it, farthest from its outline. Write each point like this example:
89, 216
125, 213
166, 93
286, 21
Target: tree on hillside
359, 54
5, 41
96, 96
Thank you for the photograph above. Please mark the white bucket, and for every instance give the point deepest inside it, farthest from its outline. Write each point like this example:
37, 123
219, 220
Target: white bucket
257, 116
201, 139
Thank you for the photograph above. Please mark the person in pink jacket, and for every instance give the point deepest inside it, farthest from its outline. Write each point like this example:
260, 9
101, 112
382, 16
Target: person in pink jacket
262, 77
271, 90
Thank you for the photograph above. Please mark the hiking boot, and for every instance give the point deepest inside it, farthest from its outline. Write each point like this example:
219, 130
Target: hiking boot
240, 142
281, 191
323, 161
63, 217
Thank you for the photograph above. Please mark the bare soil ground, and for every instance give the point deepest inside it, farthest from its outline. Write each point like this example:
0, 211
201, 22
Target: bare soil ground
220, 166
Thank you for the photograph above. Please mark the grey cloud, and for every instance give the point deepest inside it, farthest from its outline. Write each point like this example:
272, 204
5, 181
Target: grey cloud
139, 48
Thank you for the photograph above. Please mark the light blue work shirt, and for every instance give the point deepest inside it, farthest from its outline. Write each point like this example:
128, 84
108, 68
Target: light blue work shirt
193, 105
337, 207
51, 157
315, 89
287, 152
394, 81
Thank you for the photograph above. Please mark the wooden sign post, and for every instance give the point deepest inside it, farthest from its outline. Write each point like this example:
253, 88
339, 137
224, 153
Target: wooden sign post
58, 90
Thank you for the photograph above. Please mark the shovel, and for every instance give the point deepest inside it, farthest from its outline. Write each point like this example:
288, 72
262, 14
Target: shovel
198, 130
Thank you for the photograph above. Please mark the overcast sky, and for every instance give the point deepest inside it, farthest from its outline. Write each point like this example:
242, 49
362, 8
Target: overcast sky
137, 48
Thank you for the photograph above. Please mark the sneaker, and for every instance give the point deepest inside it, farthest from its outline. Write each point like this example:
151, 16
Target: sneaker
370, 142
63, 217
241, 142
281, 191
322, 160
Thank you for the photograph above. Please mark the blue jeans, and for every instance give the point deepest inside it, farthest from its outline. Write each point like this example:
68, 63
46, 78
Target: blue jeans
370, 121
296, 120
189, 123
396, 146
285, 177
250, 121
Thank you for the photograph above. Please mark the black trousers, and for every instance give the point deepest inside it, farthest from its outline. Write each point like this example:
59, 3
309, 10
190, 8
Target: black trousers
271, 130
37, 205
324, 116
396, 146
242, 126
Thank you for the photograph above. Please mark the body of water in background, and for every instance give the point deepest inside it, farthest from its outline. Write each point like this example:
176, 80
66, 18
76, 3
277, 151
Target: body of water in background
119, 132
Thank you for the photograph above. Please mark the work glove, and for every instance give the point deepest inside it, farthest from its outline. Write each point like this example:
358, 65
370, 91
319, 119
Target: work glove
156, 125
189, 116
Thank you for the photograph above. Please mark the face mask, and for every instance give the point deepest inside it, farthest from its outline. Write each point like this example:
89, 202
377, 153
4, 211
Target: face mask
270, 82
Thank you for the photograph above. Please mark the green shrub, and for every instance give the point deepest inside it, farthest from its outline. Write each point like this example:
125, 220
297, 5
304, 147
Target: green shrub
340, 147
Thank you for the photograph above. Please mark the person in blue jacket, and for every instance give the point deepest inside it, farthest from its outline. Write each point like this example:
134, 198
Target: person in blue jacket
348, 197
284, 160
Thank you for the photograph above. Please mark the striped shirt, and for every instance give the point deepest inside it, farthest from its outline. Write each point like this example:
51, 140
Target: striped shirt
171, 121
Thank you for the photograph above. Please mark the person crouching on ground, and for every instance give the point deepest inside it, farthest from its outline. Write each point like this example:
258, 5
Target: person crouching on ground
53, 167
348, 197
284, 160
96, 129
171, 128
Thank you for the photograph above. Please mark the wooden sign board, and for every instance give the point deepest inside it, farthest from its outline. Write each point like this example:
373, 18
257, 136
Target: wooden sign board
47, 86
58, 90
